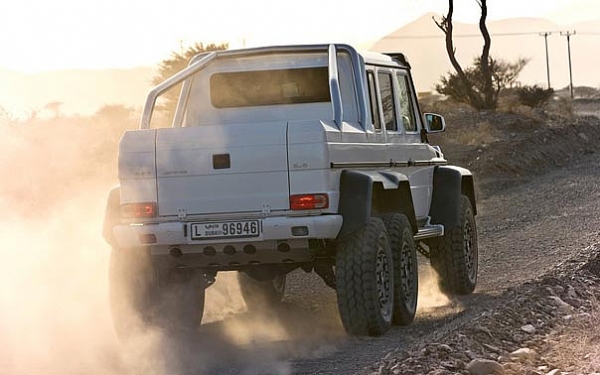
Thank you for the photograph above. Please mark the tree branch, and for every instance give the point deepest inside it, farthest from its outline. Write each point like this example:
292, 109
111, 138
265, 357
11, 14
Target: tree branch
446, 26
488, 90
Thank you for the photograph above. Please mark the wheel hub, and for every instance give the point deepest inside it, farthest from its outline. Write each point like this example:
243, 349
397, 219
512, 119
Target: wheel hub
470, 251
407, 268
383, 283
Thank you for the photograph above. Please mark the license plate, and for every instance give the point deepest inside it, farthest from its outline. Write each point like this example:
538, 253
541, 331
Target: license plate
229, 229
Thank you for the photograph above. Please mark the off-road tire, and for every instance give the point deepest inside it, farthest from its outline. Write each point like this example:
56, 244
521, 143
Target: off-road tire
140, 299
259, 295
455, 255
406, 270
364, 280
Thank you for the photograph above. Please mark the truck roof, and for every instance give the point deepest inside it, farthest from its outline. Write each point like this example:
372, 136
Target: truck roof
355, 62
392, 58
372, 58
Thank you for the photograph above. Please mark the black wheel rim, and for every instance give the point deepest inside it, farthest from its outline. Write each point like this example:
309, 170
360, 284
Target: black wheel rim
470, 250
383, 282
407, 270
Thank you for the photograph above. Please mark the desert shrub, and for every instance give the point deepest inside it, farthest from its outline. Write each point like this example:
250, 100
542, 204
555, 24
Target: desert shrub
504, 74
508, 101
534, 96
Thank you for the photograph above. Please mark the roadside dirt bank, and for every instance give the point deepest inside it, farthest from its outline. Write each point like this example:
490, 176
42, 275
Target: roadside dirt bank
540, 258
546, 326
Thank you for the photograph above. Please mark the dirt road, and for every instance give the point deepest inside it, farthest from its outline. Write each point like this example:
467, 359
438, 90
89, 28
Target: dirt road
524, 231
54, 303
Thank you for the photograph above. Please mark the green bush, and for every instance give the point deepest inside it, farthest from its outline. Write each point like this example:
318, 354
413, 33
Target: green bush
504, 74
534, 96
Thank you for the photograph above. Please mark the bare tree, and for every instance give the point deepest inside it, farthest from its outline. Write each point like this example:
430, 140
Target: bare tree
485, 57
487, 98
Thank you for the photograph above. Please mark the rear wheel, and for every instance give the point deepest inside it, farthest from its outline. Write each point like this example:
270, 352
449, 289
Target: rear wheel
455, 255
406, 272
261, 294
141, 298
365, 280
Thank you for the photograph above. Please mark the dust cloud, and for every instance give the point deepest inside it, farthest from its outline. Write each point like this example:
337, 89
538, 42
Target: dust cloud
54, 311
433, 303
430, 295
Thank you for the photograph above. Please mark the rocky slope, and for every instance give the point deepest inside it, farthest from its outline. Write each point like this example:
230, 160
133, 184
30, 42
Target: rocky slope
548, 326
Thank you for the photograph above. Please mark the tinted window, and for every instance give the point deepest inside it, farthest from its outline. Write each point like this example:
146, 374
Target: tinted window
387, 101
269, 87
405, 104
373, 101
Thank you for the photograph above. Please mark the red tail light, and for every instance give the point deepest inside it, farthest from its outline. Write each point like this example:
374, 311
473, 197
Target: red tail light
309, 201
138, 210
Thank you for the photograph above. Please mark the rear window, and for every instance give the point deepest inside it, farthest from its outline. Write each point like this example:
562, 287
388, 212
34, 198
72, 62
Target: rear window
269, 87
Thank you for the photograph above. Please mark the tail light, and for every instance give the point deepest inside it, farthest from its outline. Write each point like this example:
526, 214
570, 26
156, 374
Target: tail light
138, 210
309, 201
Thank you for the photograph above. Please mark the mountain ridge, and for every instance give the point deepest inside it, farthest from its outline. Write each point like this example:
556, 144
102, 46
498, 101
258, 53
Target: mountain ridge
83, 91
423, 43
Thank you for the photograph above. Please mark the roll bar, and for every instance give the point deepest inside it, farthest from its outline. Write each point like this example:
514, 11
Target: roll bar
334, 87
199, 62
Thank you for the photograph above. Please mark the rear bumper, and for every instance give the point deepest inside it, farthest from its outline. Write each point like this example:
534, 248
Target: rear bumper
273, 228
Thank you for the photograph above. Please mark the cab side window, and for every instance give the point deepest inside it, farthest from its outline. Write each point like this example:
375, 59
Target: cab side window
373, 101
405, 104
386, 94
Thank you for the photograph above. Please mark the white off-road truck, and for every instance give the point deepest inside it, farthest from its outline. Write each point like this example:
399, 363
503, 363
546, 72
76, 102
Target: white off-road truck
313, 157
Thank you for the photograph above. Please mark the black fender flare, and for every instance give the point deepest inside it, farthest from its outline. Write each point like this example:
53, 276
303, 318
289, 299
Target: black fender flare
357, 191
449, 183
112, 215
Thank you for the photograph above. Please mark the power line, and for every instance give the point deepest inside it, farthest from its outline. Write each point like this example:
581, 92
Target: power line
455, 36
479, 35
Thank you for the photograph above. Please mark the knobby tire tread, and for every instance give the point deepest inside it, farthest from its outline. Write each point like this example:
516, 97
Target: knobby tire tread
398, 227
356, 281
448, 258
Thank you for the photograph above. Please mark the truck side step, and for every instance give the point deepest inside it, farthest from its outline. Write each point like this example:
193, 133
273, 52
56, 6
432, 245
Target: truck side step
429, 231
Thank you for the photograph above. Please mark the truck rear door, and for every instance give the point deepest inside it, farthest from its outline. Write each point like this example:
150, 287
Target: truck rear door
222, 168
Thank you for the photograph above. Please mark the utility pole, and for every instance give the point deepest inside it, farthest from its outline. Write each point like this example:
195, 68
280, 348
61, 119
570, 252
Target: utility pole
568, 35
545, 35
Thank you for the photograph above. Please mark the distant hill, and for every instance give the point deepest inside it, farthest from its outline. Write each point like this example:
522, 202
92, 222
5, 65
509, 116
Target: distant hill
80, 91
424, 45
84, 91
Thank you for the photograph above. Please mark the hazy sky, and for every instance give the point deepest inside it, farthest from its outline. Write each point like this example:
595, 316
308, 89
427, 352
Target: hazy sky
37, 35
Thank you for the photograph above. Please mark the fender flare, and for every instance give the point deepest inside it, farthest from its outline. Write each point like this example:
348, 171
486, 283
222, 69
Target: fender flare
449, 183
112, 215
357, 190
